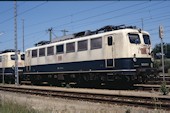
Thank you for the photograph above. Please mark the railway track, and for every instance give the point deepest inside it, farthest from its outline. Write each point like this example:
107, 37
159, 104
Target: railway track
134, 100
148, 87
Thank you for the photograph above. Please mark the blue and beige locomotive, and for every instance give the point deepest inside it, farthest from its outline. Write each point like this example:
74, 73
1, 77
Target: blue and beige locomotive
105, 56
7, 65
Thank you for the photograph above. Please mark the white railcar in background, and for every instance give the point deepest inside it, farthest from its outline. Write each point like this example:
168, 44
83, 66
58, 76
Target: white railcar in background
7, 64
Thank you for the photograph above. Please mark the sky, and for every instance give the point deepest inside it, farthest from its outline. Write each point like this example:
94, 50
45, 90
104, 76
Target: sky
76, 16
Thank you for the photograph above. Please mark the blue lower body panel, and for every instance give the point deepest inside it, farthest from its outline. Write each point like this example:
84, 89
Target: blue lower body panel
10, 71
120, 64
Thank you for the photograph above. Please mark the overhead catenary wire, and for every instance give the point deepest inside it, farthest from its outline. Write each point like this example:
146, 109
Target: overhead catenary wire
29, 34
73, 14
101, 14
103, 20
97, 15
104, 13
34, 33
9, 9
90, 16
19, 14
60, 17
72, 22
106, 19
76, 21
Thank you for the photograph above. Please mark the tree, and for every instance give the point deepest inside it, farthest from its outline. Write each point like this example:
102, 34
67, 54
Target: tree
157, 49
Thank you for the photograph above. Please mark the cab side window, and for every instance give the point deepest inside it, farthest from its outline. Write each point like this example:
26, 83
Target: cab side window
41, 52
23, 57
13, 57
82, 45
109, 40
60, 49
96, 43
34, 53
50, 50
70, 47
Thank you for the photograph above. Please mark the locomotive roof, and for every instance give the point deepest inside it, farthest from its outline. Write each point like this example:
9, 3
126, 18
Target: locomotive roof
86, 33
98, 31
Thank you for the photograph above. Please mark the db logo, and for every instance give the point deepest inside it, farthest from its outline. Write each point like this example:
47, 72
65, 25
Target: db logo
59, 58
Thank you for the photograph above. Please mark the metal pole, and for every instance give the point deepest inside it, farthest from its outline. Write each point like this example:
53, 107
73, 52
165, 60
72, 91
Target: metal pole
50, 31
142, 23
162, 51
51, 34
3, 66
161, 34
64, 32
23, 34
166, 49
16, 46
3, 76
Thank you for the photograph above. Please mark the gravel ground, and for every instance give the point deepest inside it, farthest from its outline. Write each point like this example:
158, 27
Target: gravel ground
58, 105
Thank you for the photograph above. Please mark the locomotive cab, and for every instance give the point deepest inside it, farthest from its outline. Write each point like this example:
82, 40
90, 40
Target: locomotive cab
140, 49
140, 52
128, 53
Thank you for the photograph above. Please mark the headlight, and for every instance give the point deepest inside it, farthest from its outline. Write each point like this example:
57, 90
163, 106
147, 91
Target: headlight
134, 58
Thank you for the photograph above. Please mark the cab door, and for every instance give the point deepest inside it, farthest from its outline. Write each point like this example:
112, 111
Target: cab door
109, 51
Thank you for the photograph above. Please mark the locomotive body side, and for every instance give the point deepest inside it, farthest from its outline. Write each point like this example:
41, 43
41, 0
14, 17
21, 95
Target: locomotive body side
79, 59
100, 58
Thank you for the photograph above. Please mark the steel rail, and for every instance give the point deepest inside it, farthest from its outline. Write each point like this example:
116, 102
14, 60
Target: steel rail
142, 101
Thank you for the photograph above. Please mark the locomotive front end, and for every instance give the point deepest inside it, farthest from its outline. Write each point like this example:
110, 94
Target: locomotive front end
140, 51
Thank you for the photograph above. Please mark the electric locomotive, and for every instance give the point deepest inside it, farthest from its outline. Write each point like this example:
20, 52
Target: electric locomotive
105, 56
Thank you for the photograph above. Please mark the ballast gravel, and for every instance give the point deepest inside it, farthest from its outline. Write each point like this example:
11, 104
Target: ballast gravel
60, 105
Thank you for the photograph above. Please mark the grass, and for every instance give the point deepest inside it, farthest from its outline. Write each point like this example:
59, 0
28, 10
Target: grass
158, 64
13, 107
163, 89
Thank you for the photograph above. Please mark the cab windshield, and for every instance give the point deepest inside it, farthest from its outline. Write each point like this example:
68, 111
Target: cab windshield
146, 39
134, 38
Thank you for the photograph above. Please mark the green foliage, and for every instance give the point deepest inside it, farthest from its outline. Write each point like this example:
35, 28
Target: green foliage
163, 89
68, 86
158, 64
157, 48
12, 107
166, 48
127, 111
